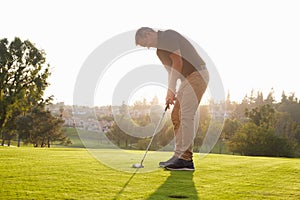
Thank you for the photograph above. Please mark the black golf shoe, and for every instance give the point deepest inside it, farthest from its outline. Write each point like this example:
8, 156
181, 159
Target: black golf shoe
181, 165
170, 161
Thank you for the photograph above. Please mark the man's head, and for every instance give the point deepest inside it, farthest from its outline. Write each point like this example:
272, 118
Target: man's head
146, 37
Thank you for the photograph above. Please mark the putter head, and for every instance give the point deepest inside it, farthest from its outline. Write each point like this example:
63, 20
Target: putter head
138, 165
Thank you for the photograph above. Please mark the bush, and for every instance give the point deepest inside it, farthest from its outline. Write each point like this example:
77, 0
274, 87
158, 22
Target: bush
253, 140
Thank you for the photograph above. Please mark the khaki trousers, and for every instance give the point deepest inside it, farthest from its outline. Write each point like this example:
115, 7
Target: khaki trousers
183, 114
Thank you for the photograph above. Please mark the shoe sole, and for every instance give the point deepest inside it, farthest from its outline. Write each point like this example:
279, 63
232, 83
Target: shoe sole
179, 169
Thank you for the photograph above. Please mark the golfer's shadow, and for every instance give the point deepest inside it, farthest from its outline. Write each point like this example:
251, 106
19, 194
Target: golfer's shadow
123, 188
179, 185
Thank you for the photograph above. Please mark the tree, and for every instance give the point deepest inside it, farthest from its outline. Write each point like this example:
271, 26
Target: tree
123, 109
283, 97
23, 80
290, 105
230, 126
239, 111
154, 101
24, 126
270, 98
249, 140
263, 115
268, 133
259, 99
253, 140
117, 136
41, 128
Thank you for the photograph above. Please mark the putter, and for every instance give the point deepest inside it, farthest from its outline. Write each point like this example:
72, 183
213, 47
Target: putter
140, 165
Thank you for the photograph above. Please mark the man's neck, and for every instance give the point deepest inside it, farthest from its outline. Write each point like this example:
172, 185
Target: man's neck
155, 36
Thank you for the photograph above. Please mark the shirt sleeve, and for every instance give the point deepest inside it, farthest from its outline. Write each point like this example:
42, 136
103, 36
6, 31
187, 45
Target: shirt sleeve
173, 45
169, 43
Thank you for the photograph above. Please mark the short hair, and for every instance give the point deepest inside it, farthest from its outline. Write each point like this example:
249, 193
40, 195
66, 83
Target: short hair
141, 32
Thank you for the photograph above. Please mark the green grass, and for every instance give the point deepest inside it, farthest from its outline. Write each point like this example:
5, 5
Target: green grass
91, 137
70, 173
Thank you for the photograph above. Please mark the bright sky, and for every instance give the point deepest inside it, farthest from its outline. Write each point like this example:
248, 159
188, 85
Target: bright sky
254, 44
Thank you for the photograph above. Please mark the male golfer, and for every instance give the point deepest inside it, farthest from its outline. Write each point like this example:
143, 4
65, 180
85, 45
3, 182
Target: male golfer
182, 61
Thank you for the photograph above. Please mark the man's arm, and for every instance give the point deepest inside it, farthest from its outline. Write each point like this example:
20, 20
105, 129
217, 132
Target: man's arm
174, 74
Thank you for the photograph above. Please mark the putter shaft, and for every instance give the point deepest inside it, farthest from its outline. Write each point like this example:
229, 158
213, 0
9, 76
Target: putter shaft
158, 125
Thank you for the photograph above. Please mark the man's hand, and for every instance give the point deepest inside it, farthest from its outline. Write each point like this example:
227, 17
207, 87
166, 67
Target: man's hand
170, 98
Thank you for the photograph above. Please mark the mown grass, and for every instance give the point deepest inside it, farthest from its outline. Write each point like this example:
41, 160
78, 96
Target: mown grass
70, 173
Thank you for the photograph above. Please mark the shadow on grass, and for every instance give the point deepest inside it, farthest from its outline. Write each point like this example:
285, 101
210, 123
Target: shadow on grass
179, 185
123, 188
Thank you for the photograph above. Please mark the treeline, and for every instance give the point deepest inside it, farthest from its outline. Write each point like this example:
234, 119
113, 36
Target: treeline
23, 80
134, 131
256, 127
266, 128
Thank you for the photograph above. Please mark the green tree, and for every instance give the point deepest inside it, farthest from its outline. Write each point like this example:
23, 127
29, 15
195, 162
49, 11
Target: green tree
23, 79
253, 140
290, 105
117, 136
24, 126
259, 99
249, 140
268, 133
239, 111
230, 126
270, 98
43, 128
264, 115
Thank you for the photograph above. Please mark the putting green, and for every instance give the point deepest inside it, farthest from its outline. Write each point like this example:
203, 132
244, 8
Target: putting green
123, 160
69, 173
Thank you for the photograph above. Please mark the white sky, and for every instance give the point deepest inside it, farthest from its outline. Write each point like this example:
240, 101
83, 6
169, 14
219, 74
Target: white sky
254, 44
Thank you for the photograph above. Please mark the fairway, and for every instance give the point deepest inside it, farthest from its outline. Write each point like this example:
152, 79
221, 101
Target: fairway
70, 173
